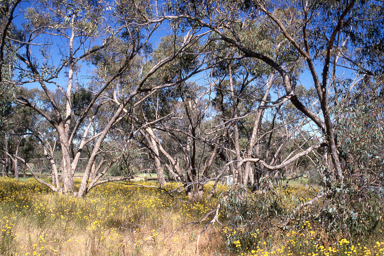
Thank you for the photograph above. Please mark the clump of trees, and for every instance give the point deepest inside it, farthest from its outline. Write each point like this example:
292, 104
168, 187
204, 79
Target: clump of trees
197, 90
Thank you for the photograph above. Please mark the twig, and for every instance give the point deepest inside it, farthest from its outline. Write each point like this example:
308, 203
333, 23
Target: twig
212, 222
198, 222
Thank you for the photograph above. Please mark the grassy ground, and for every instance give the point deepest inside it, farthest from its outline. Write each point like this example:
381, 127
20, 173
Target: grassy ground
144, 177
115, 219
147, 175
299, 181
121, 219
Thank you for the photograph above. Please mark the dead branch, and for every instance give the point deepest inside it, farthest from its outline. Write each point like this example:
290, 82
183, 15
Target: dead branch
212, 222
32, 172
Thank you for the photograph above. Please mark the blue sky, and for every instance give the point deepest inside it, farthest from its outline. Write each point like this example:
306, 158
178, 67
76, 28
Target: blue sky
86, 70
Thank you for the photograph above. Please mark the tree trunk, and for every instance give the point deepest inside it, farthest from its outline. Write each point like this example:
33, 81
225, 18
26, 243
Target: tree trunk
237, 172
93, 172
152, 142
15, 164
5, 170
255, 131
67, 173
63, 127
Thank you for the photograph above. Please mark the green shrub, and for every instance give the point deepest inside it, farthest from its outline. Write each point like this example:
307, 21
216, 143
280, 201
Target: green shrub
250, 216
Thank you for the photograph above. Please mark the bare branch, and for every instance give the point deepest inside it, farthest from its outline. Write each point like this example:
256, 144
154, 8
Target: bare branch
33, 173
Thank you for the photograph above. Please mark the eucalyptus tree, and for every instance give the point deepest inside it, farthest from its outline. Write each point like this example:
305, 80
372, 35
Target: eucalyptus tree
160, 105
174, 140
247, 94
339, 45
187, 146
157, 105
359, 119
321, 35
7, 15
7, 35
20, 123
60, 39
197, 161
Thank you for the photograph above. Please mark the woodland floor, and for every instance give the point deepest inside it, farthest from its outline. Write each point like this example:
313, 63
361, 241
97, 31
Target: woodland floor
127, 219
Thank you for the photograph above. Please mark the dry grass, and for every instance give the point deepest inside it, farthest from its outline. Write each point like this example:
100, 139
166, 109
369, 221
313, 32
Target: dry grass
120, 219
114, 219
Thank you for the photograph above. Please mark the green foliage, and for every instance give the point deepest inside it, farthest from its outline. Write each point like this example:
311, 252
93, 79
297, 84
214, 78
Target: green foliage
5, 103
80, 100
250, 215
121, 170
356, 205
6, 95
359, 129
29, 149
345, 213
354, 213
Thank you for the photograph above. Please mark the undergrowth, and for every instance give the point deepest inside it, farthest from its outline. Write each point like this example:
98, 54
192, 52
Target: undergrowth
128, 219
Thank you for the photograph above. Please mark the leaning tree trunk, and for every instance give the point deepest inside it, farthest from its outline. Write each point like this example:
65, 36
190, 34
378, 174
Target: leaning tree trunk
255, 131
15, 162
155, 149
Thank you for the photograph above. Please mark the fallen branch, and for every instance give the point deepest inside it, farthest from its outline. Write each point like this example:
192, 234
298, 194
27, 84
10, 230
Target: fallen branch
215, 219
212, 222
